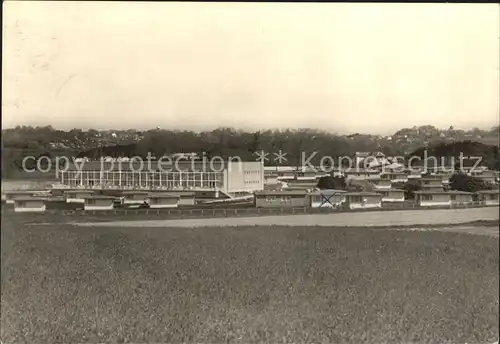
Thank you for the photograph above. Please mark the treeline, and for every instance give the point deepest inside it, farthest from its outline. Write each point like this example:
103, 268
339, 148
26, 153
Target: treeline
225, 142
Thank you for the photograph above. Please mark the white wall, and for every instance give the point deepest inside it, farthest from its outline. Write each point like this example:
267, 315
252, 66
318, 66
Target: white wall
435, 203
99, 207
247, 176
75, 200
38, 209
364, 206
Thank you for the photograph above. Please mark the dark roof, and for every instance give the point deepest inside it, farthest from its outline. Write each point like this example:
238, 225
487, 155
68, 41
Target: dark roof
163, 195
451, 192
100, 197
488, 191
24, 199
79, 191
134, 192
362, 194
281, 193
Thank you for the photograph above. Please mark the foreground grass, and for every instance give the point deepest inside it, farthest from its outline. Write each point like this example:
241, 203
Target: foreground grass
70, 284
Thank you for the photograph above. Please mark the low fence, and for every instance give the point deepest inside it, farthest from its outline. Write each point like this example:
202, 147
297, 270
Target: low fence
180, 213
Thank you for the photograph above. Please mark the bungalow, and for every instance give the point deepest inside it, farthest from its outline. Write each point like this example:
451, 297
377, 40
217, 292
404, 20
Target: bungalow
395, 177
431, 181
29, 204
309, 175
77, 196
432, 188
163, 200
189, 198
267, 199
362, 200
361, 174
134, 197
442, 198
99, 203
488, 197
271, 179
381, 183
488, 176
392, 195
326, 198
11, 196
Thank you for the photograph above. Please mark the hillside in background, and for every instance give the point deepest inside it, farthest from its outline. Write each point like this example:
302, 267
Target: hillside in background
489, 154
21, 142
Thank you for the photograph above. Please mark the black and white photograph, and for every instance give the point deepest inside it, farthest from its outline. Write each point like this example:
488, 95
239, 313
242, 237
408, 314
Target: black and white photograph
250, 172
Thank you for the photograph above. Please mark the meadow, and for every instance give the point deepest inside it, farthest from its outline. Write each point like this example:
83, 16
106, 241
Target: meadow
63, 283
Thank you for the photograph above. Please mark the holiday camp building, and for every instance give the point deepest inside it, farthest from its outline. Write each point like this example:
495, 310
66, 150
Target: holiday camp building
362, 200
97, 202
28, 204
381, 183
326, 198
293, 198
163, 200
225, 176
10, 197
134, 197
442, 198
395, 177
489, 197
392, 195
77, 196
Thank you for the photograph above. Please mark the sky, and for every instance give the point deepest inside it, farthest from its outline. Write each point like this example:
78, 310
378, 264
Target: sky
339, 67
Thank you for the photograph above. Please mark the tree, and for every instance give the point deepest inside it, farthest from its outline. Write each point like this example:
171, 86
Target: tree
332, 183
410, 187
463, 182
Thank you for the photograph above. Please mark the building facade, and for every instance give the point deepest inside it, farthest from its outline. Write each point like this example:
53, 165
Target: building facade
228, 177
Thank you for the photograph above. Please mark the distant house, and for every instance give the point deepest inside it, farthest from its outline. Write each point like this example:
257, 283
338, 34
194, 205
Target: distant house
271, 179
163, 200
392, 195
189, 198
326, 198
77, 196
266, 199
432, 188
134, 197
434, 181
362, 200
10, 197
488, 176
381, 183
29, 204
488, 197
442, 198
361, 174
99, 203
395, 177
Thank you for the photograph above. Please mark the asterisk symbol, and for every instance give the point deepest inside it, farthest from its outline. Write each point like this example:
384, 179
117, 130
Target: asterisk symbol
262, 156
280, 157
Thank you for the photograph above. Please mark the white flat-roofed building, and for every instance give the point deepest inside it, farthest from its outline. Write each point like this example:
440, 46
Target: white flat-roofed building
362, 200
99, 203
395, 177
381, 183
163, 200
29, 204
10, 197
77, 196
225, 176
489, 197
392, 195
134, 197
327, 198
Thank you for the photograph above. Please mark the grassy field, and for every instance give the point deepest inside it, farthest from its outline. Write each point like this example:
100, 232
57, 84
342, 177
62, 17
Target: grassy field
63, 283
